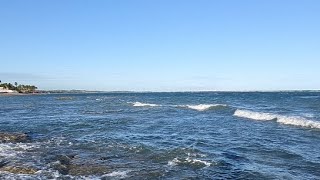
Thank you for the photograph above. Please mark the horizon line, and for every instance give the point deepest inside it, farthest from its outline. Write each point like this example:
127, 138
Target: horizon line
181, 91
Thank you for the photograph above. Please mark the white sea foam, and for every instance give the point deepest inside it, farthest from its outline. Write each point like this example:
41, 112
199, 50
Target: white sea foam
139, 104
12, 150
202, 107
188, 160
118, 174
290, 120
12, 176
173, 162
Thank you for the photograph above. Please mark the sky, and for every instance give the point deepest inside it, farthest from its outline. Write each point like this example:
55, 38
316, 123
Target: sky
161, 45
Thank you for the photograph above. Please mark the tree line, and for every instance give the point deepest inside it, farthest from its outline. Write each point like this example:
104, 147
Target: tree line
21, 88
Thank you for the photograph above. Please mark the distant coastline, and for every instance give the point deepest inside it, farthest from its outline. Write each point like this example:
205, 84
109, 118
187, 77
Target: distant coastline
10, 89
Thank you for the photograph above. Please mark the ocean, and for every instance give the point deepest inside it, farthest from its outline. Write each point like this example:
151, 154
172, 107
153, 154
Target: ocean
178, 135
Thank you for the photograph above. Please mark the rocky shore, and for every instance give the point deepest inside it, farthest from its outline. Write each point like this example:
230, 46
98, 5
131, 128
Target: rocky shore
65, 164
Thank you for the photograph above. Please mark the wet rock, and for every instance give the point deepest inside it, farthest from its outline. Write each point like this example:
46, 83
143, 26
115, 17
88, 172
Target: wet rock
19, 170
63, 169
65, 166
104, 158
3, 163
62, 163
64, 159
13, 137
80, 169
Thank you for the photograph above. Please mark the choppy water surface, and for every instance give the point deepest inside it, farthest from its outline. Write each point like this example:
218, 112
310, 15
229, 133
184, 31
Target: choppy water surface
212, 135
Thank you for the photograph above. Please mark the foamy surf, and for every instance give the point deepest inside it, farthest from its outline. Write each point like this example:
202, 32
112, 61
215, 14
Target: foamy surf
289, 120
12, 150
117, 174
203, 107
255, 115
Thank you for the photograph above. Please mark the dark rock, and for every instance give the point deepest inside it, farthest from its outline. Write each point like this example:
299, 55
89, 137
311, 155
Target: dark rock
63, 169
3, 163
65, 166
104, 158
13, 137
65, 160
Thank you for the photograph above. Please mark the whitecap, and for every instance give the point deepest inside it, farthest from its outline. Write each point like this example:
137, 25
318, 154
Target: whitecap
203, 107
190, 161
255, 115
139, 104
298, 121
309, 97
173, 162
207, 164
289, 120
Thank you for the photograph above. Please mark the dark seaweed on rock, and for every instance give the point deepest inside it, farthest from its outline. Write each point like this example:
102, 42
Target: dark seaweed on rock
13, 137
65, 166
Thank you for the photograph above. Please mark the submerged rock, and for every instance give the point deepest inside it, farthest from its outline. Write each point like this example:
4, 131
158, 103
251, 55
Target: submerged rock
87, 169
13, 137
80, 169
18, 170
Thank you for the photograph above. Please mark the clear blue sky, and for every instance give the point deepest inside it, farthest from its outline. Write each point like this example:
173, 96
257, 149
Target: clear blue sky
161, 45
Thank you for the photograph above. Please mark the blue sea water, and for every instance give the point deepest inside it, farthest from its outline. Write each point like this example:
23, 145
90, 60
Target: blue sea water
190, 135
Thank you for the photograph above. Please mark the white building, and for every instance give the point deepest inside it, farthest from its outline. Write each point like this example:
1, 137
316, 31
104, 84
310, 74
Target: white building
3, 90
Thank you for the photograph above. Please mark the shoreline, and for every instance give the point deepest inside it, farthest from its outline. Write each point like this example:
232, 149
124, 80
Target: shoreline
19, 94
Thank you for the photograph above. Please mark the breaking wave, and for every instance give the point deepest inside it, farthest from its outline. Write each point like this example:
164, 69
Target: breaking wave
255, 115
288, 120
199, 107
139, 104
203, 107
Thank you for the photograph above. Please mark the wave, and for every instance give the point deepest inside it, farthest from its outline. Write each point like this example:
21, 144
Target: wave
288, 120
139, 104
309, 97
255, 115
199, 107
203, 107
